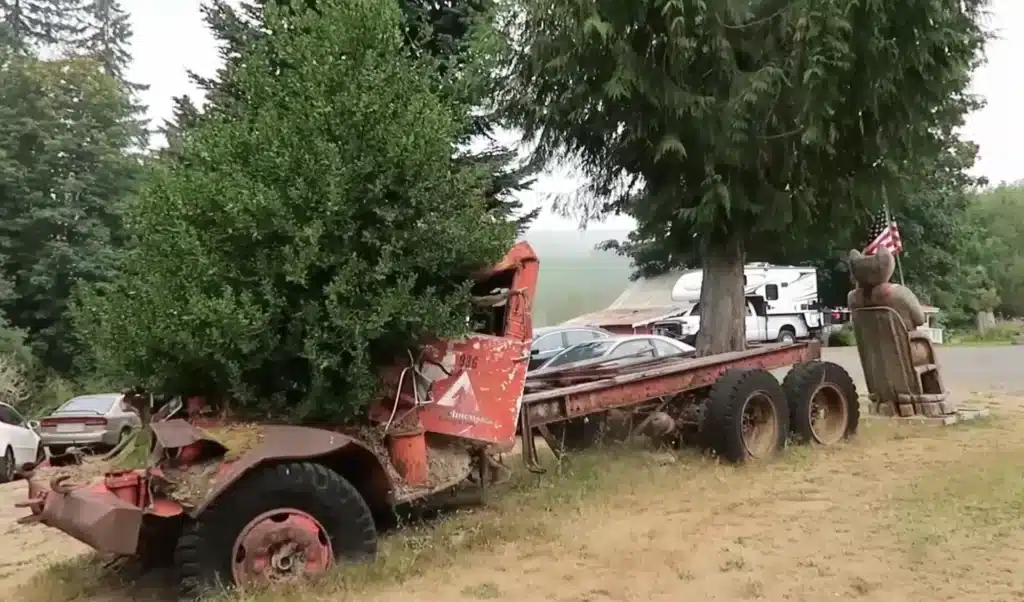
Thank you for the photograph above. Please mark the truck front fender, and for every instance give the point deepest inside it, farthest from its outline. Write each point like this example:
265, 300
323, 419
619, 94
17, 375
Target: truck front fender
349, 457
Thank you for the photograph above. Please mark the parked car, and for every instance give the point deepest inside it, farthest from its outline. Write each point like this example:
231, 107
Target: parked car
19, 442
88, 421
639, 346
550, 340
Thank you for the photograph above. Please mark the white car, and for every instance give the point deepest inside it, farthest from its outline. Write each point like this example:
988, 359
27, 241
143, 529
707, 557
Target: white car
19, 442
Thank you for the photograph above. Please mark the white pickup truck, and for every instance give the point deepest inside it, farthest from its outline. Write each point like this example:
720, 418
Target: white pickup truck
761, 327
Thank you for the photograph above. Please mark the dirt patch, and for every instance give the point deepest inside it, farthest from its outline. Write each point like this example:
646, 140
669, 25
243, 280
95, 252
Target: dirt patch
27, 550
904, 512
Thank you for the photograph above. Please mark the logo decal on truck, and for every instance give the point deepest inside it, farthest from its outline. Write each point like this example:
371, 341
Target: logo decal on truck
461, 398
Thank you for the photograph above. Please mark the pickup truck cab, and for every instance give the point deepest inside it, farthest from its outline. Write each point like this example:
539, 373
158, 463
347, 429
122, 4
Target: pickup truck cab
760, 327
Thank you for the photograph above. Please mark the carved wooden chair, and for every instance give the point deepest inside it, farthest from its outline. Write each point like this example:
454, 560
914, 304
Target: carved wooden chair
900, 366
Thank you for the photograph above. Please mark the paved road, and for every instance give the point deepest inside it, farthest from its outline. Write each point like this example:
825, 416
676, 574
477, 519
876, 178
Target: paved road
965, 370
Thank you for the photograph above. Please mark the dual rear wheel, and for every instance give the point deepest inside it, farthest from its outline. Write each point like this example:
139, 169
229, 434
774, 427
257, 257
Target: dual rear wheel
749, 415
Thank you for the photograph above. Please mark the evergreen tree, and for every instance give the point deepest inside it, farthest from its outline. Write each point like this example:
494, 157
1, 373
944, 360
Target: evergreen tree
723, 127
184, 116
34, 25
235, 31
65, 170
107, 37
445, 29
24, 24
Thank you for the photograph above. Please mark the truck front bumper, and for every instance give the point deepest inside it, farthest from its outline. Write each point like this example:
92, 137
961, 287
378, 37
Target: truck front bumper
92, 514
79, 439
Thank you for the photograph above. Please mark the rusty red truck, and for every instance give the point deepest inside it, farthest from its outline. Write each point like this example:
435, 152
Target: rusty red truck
250, 503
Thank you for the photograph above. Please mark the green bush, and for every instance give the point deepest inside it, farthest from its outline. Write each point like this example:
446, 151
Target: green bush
316, 229
843, 337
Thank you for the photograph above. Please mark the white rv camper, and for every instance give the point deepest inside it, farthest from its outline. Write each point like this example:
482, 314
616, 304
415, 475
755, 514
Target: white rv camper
782, 304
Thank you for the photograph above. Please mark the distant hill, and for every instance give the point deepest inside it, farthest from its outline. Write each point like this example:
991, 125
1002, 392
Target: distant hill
575, 278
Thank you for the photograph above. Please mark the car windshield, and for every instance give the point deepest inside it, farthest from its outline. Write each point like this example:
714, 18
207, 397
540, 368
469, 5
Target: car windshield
98, 404
579, 353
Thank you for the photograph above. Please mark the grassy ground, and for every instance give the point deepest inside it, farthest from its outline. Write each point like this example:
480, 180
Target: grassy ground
903, 512
1003, 333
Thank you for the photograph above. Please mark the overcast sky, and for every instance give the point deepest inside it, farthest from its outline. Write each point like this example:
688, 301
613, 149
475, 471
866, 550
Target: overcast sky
170, 37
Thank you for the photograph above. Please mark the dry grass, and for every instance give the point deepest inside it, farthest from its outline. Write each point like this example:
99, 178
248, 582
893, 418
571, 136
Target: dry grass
902, 513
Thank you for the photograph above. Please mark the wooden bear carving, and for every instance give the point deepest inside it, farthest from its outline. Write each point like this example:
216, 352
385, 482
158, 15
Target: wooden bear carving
871, 274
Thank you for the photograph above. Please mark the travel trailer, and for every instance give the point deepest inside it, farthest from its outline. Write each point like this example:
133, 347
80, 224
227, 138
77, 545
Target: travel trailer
782, 304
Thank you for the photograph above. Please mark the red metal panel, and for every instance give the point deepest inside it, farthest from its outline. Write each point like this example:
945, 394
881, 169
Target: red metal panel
478, 392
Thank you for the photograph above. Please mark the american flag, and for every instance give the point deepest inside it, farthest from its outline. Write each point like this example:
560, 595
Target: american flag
884, 233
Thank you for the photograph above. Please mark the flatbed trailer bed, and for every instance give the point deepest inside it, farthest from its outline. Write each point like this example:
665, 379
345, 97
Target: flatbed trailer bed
678, 388
645, 383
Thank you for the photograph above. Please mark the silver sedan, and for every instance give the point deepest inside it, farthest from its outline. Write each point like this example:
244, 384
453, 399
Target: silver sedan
88, 421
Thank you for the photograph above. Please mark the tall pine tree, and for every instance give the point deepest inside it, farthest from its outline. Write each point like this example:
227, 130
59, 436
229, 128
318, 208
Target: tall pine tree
23, 24
34, 25
106, 38
65, 135
445, 29
184, 115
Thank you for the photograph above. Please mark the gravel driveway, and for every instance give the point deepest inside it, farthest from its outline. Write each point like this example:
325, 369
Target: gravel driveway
965, 370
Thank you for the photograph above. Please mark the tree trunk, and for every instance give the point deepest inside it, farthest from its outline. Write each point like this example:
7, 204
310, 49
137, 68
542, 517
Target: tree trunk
722, 303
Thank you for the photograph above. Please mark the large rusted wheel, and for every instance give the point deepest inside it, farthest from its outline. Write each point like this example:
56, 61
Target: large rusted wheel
282, 523
823, 403
746, 416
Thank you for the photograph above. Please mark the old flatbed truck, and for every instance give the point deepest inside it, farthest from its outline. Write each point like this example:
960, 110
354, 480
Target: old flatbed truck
244, 504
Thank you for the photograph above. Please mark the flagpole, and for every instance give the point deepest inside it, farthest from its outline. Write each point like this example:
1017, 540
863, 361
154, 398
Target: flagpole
899, 264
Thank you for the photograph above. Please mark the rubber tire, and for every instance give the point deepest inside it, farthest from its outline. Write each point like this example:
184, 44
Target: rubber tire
802, 380
7, 466
579, 433
723, 417
57, 450
204, 552
787, 335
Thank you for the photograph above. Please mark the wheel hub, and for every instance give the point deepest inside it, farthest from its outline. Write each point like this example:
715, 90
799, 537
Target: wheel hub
828, 415
281, 545
760, 426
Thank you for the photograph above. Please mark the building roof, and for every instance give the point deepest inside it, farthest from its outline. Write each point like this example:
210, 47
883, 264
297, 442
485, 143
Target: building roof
628, 316
648, 292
